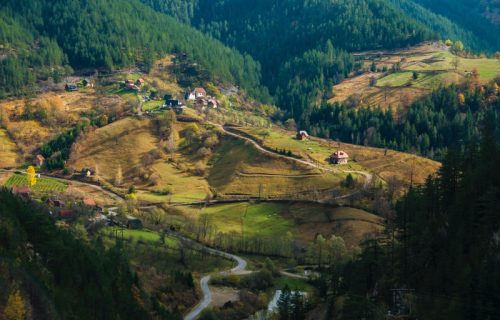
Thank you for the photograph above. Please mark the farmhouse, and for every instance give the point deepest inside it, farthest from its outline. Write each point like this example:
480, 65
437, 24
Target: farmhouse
339, 157
302, 135
139, 82
21, 191
39, 160
87, 172
199, 93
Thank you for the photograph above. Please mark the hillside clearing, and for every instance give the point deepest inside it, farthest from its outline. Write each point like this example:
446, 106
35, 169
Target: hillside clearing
300, 220
240, 170
9, 157
384, 163
432, 65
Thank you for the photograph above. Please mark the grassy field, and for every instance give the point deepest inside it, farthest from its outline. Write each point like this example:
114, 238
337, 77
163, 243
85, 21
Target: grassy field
121, 144
433, 66
140, 235
241, 170
384, 163
42, 184
303, 221
9, 157
124, 144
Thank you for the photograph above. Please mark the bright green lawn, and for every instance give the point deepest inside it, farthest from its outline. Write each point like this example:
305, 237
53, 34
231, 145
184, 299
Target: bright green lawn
42, 184
143, 235
442, 61
262, 219
396, 79
148, 105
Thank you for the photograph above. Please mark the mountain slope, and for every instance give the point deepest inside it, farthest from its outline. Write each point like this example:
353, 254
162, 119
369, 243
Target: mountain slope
446, 27
105, 34
471, 15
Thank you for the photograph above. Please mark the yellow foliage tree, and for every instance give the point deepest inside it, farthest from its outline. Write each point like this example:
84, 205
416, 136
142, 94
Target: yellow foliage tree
461, 98
31, 175
15, 308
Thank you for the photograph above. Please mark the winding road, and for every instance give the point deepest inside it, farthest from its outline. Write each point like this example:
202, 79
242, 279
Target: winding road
368, 176
240, 268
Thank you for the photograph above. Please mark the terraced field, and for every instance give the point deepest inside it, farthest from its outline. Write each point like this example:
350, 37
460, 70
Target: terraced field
42, 184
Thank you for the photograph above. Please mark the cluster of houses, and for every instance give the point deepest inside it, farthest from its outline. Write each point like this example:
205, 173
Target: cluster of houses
338, 157
132, 85
61, 210
201, 99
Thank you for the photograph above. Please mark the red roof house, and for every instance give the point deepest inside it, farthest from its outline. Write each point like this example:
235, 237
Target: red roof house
199, 93
22, 191
339, 157
89, 202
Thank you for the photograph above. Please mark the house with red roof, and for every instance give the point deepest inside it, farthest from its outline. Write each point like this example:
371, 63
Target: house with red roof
22, 191
339, 157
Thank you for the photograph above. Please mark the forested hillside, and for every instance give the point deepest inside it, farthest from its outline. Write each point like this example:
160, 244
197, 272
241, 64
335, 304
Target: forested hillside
450, 116
39, 35
302, 46
470, 15
47, 273
447, 27
441, 251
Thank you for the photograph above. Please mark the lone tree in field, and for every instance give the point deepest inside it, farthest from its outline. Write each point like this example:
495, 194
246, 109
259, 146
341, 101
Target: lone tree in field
31, 176
119, 176
455, 63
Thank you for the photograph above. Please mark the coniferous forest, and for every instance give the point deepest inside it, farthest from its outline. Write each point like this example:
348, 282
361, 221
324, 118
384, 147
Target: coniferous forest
64, 277
159, 154
41, 40
441, 247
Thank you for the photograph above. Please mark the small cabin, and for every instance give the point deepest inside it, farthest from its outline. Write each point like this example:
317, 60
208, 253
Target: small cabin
339, 157
302, 135
39, 160
134, 223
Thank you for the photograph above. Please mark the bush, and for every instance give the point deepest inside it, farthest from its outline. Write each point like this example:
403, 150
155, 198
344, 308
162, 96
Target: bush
200, 169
